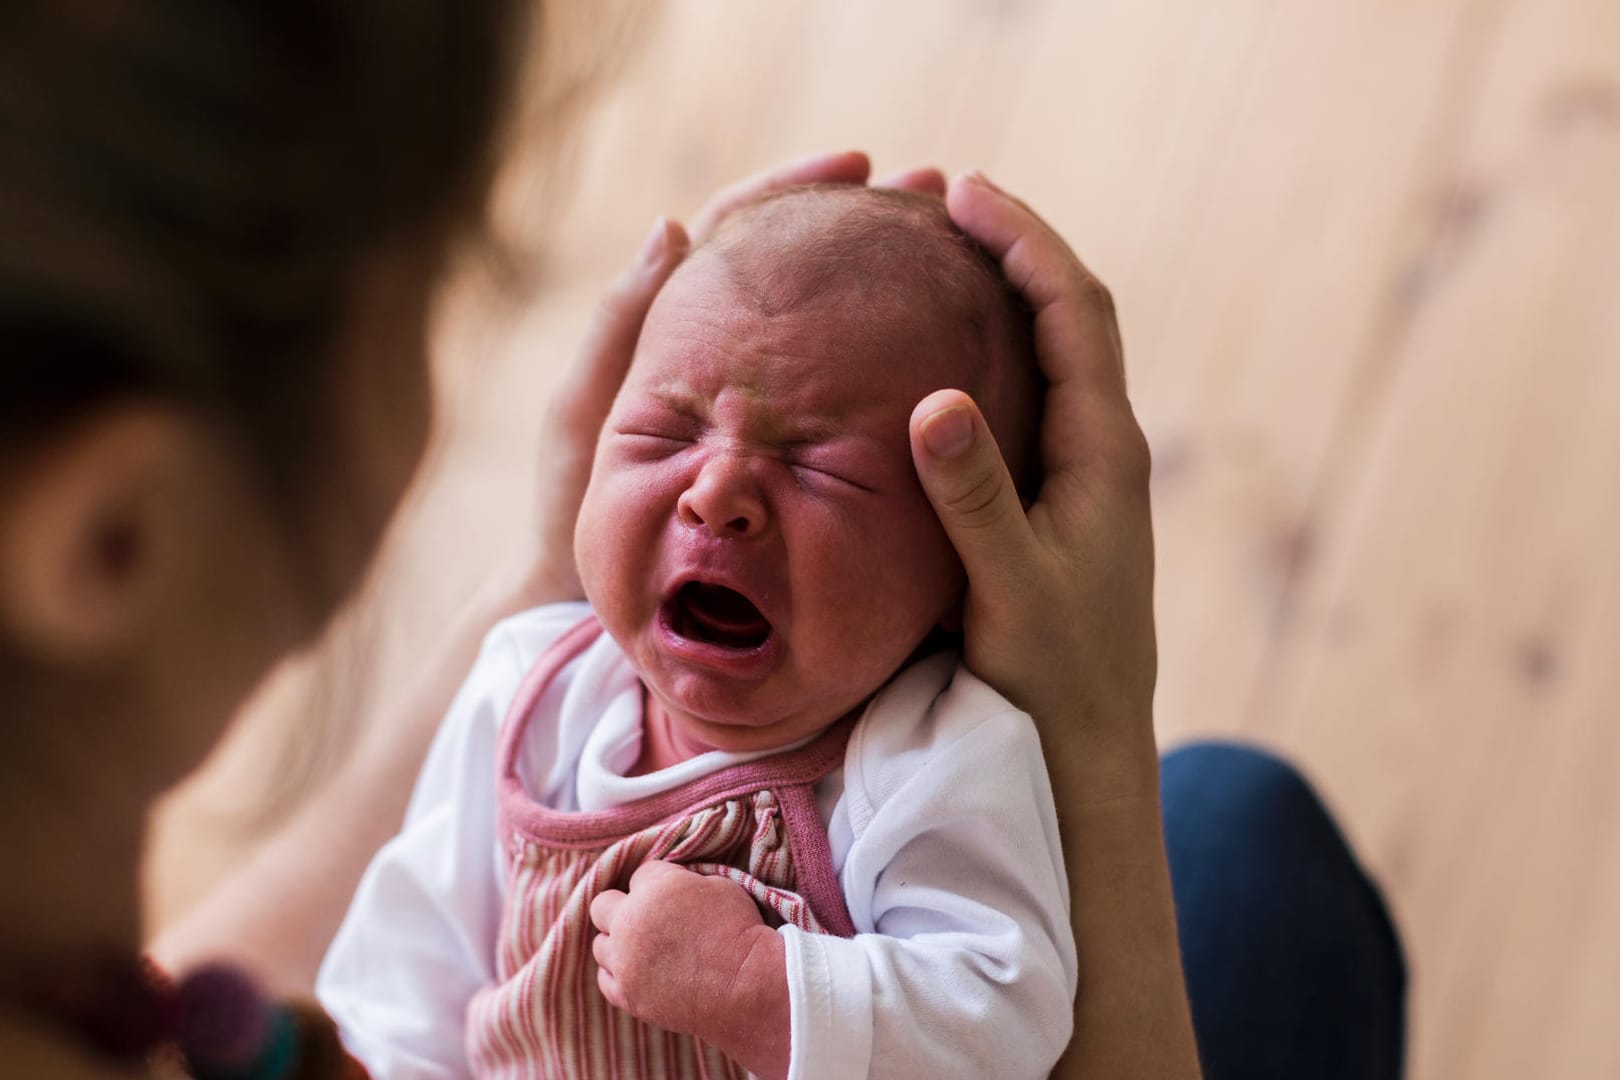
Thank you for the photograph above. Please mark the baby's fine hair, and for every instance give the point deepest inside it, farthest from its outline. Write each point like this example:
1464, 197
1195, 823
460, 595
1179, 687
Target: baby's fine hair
881, 249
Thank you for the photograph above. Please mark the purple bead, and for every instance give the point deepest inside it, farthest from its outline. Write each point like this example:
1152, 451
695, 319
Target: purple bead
226, 1019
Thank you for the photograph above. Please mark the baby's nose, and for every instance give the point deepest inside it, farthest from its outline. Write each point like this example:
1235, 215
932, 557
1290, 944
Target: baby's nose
724, 499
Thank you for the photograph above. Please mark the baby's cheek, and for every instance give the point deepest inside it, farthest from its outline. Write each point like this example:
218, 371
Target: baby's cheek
915, 543
613, 542
892, 591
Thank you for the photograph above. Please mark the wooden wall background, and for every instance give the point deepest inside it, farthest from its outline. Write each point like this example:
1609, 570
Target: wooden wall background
1367, 258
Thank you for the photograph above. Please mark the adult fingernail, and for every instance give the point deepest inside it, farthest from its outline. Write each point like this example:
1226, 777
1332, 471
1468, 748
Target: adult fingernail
949, 432
653, 249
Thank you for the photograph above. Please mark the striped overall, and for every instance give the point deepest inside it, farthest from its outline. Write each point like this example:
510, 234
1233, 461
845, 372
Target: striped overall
754, 823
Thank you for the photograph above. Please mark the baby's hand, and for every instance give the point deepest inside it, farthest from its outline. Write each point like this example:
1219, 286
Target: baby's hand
690, 953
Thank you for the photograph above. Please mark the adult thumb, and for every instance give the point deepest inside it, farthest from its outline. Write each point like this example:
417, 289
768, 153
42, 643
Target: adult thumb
967, 481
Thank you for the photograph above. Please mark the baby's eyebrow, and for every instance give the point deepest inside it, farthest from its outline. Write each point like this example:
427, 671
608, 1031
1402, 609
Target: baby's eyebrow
806, 431
681, 401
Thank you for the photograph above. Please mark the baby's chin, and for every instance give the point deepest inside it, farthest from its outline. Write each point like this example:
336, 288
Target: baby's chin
702, 723
734, 739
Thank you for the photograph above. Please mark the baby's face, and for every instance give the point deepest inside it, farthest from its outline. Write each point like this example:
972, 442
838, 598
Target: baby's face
754, 535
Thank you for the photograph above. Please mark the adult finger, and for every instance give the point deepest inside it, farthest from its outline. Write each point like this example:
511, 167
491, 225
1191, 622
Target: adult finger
586, 395
581, 403
1088, 428
1076, 333
924, 181
967, 482
849, 167
604, 907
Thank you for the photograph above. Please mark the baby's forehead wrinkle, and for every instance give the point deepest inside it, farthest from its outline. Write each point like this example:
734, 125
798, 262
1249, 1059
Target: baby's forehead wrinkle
762, 413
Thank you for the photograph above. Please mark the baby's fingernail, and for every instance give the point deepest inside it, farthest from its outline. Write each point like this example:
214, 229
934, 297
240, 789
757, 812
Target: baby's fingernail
977, 178
949, 432
654, 247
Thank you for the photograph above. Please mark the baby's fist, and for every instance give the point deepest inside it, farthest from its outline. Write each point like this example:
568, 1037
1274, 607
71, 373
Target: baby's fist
690, 953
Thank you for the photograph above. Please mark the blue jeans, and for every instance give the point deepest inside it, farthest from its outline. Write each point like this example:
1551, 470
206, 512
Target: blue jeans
1293, 966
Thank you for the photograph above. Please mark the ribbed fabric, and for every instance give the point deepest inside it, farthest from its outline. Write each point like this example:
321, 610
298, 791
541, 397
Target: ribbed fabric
754, 824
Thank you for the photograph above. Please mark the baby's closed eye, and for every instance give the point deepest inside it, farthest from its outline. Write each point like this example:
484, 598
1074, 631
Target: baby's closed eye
651, 435
647, 447
655, 433
819, 466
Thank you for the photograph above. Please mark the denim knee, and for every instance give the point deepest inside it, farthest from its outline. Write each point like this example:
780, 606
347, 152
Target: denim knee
1254, 791
1293, 965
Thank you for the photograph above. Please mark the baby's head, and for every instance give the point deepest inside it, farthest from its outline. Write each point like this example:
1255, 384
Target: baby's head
754, 536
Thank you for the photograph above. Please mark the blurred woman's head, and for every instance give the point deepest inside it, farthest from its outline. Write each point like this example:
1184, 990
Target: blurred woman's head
221, 226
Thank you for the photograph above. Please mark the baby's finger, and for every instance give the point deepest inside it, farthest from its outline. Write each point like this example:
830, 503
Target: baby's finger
604, 907
850, 167
967, 481
610, 989
602, 952
650, 872
924, 181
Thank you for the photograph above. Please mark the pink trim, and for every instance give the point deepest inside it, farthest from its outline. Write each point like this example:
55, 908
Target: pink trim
814, 876
593, 828
574, 641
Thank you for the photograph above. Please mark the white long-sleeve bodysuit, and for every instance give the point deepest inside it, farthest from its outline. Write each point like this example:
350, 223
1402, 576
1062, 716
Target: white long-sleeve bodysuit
940, 828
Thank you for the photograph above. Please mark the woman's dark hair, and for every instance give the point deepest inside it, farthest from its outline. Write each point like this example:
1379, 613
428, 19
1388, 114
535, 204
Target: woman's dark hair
188, 189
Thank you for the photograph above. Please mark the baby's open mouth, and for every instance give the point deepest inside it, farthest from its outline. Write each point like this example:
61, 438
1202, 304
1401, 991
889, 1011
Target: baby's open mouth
716, 615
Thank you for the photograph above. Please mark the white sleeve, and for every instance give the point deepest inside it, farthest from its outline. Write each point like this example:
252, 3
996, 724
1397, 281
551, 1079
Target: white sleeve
965, 962
419, 938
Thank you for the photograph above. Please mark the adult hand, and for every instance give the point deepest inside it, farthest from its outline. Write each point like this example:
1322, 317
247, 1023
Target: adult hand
1059, 613
581, 404
1059, 618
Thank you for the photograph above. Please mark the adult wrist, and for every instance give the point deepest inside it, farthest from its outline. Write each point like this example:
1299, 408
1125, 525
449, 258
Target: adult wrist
1101, 752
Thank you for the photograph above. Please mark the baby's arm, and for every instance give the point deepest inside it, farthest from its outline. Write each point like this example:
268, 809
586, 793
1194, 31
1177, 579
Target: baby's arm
419, 937
965, 964
418, 940
690, 953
